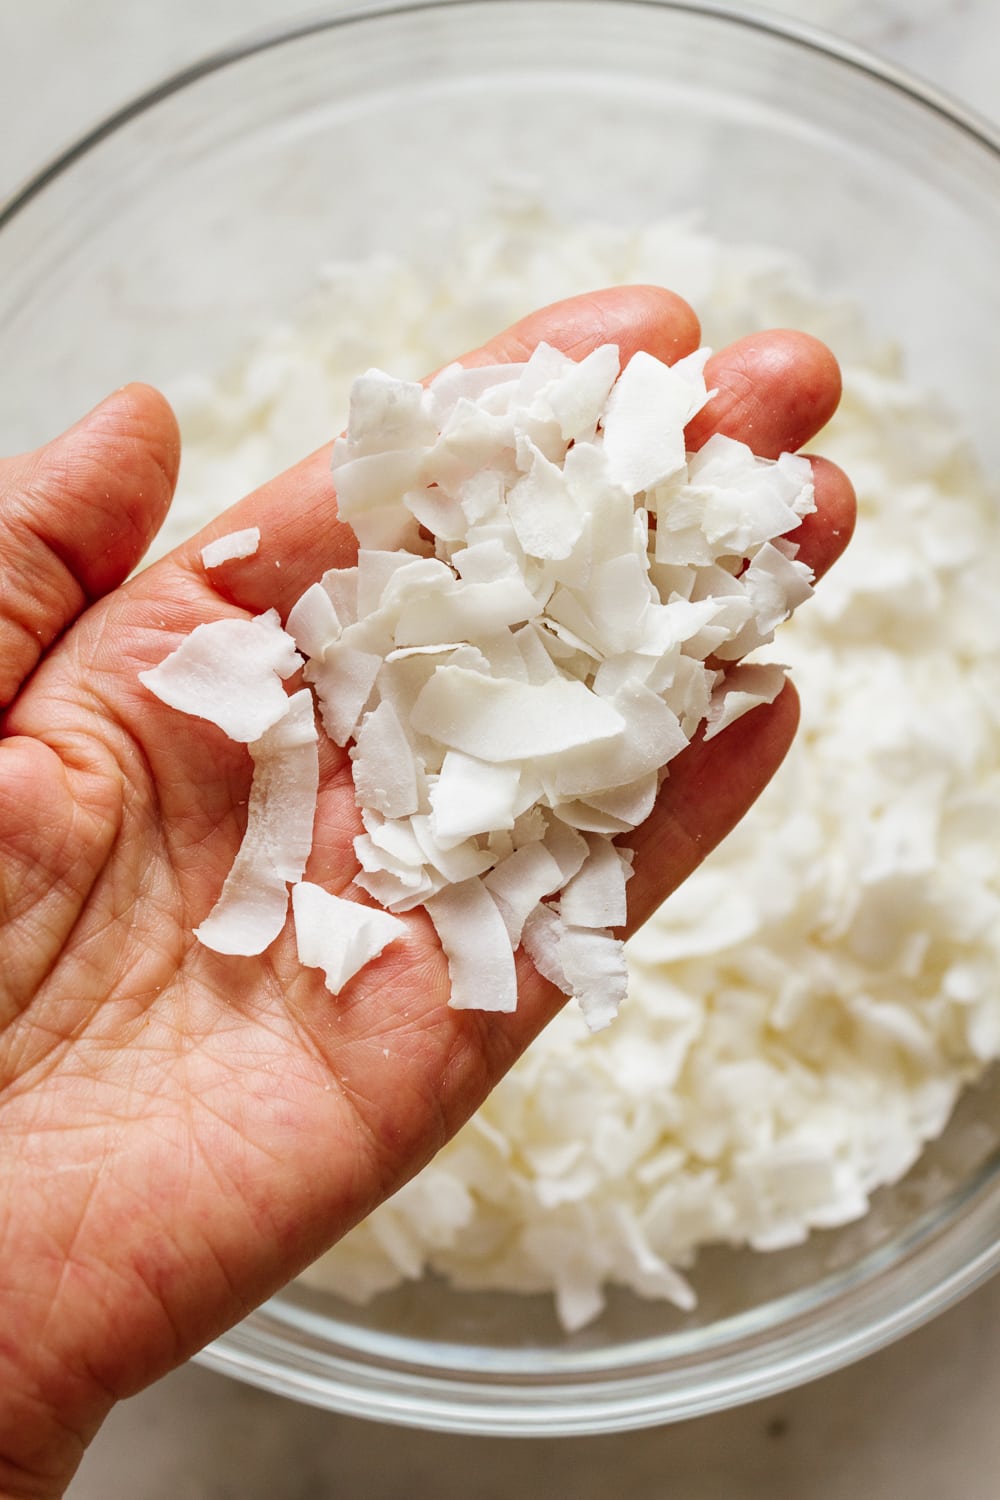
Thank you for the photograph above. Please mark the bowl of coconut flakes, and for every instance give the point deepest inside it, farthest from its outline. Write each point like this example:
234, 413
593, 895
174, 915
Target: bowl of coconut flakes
784, 1151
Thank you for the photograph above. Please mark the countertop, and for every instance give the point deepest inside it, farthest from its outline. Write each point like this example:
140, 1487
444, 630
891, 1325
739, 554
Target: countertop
917, 1420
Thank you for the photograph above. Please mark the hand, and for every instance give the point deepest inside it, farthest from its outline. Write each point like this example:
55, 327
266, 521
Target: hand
182, 1133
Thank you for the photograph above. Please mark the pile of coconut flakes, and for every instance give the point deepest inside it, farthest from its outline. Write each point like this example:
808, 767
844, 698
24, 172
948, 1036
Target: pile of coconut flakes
803, 1013
521, 648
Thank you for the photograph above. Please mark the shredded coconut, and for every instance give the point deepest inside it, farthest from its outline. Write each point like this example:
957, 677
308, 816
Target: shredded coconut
804, 1011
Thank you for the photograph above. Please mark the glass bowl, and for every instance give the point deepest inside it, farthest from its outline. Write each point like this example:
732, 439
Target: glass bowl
163, 241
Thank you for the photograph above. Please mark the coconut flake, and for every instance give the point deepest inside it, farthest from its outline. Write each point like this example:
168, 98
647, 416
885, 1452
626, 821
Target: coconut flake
383, 765
595, 897
340, 937
650, 737
251, 910
229, 672
633, 802
386, 414
472, 796
542, 936
343, 679
578, 394
743, 688
546, 519
461, 610
399, 895
231, 547
472, 933
645, 417
590, 819
608, 505
743, 500
375, 482
341, 584
619, 598
519, 882
471, 383
775, 585
509, 721
457, 862
594, 964
395, 837
386, 578
567, 847
313, 622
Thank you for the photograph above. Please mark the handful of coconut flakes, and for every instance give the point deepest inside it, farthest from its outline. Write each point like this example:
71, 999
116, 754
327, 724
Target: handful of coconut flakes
516, 657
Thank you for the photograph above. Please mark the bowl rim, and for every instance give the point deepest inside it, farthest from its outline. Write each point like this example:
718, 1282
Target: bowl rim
810, 37
598, 1399
867, 1305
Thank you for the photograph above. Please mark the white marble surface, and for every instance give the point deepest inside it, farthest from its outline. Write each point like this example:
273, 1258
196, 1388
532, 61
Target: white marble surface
918, 1420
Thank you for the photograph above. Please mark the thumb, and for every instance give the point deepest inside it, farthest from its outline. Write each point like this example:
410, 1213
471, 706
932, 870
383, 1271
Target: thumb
76, 516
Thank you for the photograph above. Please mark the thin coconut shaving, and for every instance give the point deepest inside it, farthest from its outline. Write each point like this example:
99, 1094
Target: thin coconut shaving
232, 547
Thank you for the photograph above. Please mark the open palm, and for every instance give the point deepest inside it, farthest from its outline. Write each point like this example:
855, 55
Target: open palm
180, 1132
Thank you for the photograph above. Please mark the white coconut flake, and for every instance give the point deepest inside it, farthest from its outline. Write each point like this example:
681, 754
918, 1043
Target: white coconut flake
475, 942
542, 935
397, 894
508, 721
577, 396
594, 963
650, 736
251, 910
546, 519
340, 937
386, 413
618, 600
741, 500
375, 480
645, 417
343, 679
471, 797
519, 882
313, 622
775, 585
462, 609
392, 835
341, 584
229, 672
386, 577
457, 862
383, 765
590, 819
231, 547
742, 689
458, 382
633, 802
595, 897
